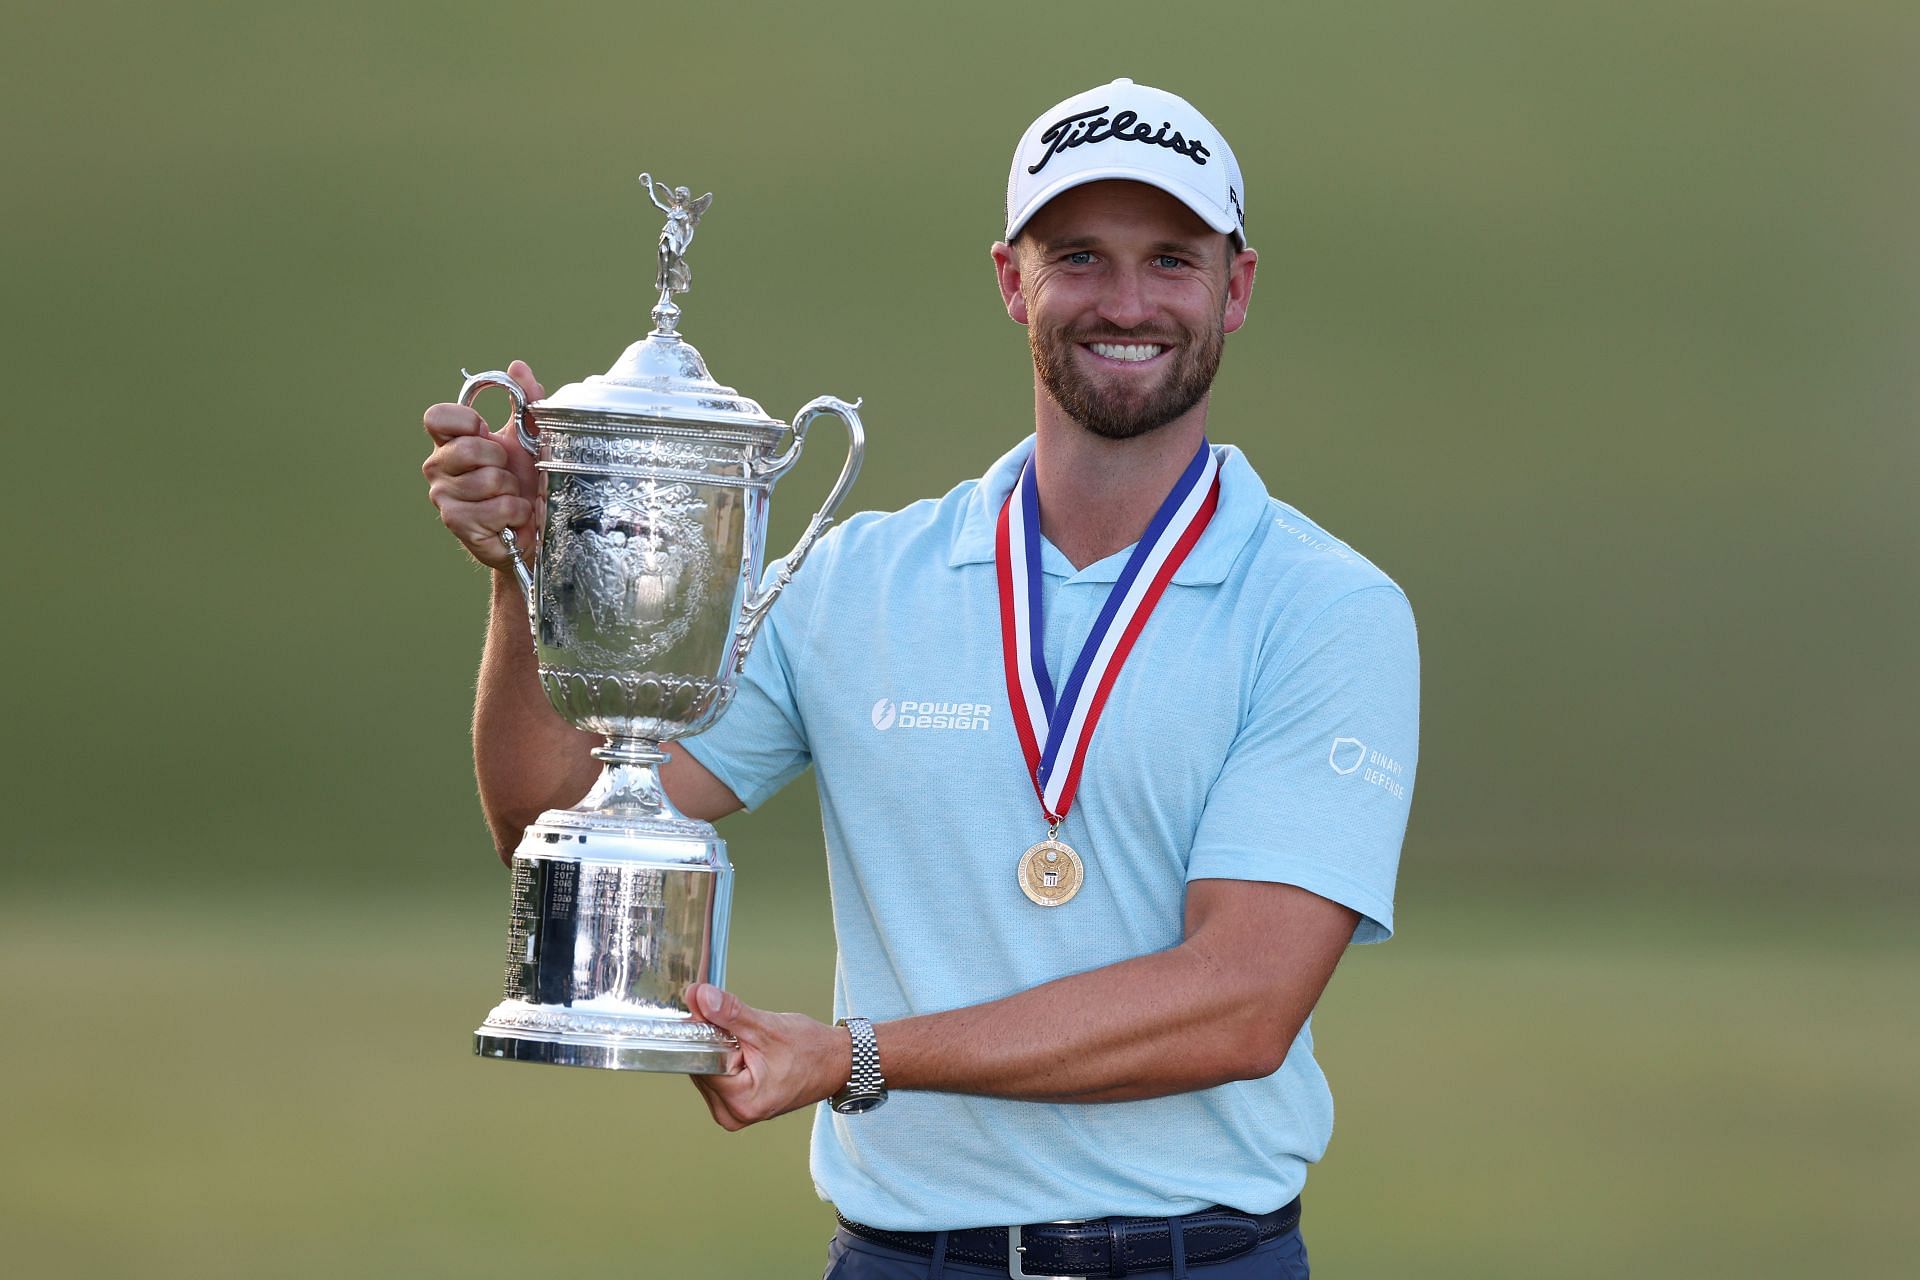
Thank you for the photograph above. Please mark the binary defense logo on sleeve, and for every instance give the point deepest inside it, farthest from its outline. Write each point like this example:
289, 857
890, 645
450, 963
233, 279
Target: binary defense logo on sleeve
1382, 770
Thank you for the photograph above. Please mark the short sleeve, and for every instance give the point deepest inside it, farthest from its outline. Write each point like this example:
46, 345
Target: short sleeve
759, 744
1316, 787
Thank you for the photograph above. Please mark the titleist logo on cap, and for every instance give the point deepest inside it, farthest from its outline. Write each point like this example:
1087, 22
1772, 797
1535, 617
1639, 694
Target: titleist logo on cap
1126, 126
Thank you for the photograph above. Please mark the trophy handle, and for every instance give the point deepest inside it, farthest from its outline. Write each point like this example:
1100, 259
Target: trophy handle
759, 602
469, 391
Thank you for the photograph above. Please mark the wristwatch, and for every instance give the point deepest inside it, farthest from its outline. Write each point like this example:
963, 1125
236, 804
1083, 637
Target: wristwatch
865, 1089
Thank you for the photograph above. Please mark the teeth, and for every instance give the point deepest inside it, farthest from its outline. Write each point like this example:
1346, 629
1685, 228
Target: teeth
1126, 350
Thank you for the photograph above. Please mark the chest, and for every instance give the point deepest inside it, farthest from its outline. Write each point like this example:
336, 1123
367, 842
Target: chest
906, 693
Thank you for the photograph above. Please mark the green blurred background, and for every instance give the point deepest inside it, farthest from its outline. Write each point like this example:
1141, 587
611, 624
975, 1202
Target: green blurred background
1592, 322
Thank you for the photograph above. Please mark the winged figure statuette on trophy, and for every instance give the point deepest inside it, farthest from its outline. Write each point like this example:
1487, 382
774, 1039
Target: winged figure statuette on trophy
683, 215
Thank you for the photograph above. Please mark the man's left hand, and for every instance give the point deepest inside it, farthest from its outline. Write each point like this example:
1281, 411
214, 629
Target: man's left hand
785, 1060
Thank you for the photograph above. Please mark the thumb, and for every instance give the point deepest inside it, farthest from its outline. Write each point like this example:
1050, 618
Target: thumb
521, 372
519, 461
722, 1008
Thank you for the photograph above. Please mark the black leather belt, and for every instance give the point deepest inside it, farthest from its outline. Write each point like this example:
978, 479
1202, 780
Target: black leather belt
1101, 1247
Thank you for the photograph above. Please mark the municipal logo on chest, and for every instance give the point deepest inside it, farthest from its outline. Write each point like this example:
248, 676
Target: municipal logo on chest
919, 713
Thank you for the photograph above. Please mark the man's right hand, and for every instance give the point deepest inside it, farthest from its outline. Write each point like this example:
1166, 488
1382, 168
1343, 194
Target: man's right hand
482, 481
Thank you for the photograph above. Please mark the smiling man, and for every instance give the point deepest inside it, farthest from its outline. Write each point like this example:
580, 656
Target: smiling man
1133, 279
1087, 733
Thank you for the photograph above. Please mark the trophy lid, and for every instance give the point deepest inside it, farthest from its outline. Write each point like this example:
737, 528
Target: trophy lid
662, 378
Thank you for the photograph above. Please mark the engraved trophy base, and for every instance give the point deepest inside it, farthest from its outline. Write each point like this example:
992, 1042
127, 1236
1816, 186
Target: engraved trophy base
617, 905
519, 1032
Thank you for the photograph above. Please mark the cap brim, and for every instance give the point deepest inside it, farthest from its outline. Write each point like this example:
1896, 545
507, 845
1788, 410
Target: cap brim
1220, 220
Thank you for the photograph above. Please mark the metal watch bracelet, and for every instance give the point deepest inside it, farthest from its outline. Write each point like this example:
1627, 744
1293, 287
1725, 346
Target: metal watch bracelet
865, 1088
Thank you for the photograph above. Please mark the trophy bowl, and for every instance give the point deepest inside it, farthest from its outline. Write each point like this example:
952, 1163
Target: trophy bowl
644, 597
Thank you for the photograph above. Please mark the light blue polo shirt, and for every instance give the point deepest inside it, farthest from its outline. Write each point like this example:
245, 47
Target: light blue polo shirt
1264, 728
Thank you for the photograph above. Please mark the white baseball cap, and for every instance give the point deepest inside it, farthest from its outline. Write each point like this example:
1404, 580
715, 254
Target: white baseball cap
1131, 131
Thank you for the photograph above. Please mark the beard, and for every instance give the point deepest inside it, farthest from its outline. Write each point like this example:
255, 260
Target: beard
1116, 412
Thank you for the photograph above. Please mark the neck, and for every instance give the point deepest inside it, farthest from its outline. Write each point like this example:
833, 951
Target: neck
1097, 496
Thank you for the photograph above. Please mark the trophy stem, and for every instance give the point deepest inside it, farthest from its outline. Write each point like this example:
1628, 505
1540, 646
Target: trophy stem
629, 751
628, 788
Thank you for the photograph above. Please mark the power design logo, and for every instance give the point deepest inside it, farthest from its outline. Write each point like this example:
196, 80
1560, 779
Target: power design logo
909, 713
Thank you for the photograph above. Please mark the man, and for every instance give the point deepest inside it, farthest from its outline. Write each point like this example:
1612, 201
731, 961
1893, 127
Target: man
1192, 708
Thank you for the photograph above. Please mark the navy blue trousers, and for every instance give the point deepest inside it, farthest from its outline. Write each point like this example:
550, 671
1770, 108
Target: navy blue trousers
851, 1258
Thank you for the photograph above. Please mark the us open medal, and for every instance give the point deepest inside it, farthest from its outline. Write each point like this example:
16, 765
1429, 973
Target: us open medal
1054, 730
1051, 872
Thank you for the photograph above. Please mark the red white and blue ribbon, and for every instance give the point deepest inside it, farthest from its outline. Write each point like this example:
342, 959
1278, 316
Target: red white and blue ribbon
1055, 730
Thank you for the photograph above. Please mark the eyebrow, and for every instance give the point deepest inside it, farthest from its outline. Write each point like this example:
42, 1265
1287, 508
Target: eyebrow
1071, 244
1182, 248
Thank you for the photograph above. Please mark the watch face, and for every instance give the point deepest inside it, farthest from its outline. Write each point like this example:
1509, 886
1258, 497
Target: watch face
859, 1103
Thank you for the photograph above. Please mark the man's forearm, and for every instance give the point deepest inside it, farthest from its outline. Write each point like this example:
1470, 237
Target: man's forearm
1137, 1029
526, 757
1224, 1005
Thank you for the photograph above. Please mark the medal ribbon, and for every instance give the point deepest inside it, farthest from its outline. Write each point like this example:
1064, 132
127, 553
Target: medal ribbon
1053, 730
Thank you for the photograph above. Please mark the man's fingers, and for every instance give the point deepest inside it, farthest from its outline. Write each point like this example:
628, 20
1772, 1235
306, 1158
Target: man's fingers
478, 524
464, 453
476, 485
717, 1104
446, 422
480, 480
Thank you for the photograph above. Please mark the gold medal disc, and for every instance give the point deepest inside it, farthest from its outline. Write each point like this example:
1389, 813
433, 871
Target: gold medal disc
1051, 873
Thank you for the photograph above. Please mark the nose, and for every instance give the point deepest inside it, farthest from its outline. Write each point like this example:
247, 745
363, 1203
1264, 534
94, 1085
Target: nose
1124, 302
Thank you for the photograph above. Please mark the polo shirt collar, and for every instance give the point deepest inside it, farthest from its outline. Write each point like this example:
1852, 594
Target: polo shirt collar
1243, 505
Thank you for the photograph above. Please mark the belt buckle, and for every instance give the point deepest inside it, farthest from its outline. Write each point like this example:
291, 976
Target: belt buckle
1015, 1249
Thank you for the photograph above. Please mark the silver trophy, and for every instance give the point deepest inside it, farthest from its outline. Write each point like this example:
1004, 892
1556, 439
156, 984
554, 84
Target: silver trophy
645, 596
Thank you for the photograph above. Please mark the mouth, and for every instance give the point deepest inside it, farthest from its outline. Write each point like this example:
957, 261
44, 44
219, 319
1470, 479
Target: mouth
1132, 353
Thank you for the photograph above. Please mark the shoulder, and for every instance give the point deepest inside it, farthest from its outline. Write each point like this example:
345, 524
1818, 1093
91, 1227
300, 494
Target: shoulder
1313, 592
871, 557
1279, 553
920, 535
1293, 547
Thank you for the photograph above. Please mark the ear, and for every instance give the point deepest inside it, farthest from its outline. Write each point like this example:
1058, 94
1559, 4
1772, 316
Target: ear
1006, 269
1239, 289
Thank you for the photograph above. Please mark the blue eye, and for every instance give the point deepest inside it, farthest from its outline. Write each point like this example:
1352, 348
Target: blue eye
1080, 259
1169, 262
